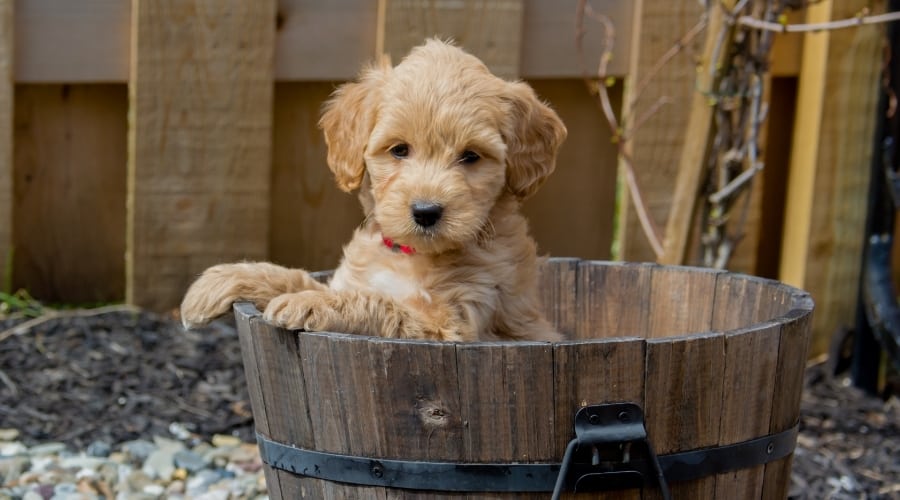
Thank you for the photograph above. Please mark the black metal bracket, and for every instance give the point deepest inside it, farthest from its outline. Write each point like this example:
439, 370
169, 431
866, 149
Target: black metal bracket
610, 451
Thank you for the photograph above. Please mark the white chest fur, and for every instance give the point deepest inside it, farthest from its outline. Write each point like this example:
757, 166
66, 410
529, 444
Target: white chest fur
397, 285
393, 283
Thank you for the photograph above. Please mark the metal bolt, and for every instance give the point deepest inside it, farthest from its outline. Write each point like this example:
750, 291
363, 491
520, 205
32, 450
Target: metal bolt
377, 471
770, 448
624, 417
594, 419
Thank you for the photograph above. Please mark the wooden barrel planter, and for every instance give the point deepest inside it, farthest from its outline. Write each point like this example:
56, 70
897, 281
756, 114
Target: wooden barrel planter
710, 361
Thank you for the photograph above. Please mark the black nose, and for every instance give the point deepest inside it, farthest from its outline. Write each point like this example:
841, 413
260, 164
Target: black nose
426, 214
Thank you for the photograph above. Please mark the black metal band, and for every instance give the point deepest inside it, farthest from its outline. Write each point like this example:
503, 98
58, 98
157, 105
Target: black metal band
490, 477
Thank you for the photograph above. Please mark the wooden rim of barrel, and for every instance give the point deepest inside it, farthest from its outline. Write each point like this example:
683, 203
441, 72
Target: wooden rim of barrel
712, 357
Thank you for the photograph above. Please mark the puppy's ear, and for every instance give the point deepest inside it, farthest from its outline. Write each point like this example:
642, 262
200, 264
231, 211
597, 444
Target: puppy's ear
533, 135
347, 120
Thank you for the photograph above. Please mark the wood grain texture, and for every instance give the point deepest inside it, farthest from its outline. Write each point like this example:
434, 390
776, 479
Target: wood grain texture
7, 95
61, 41
69, 203
683, 399
681, 301
245, 315
829, 179
58, 41
311, 219
573, 212
557, 289
751, 359
595, 372
490, 30
506, 401
697, 136
199, 141
656, 145
613, 300
793, 350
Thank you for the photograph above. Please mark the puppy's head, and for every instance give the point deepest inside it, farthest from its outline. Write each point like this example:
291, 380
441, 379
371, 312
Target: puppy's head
434, 142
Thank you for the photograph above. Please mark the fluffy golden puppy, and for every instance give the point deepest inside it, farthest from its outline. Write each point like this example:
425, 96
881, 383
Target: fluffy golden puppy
442, 153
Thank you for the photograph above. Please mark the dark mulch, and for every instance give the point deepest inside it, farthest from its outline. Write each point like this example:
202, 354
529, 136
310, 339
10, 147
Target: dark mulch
123, 376
119, 377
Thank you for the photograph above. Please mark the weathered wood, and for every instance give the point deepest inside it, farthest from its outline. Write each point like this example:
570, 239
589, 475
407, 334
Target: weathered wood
697, 136
245, 315
416, 399
548, 50
657, 26
199, 141
492, 31
558, 293
829, 179
515, 402
7, 94
750, 367
681, 301
61, 41
58, 41
594, 372
310, 218
496, 383
683, 407
793, 349
581, 194
603, 288
70, 192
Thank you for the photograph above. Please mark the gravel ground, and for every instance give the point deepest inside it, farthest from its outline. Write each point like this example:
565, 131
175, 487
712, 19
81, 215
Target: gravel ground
126, 404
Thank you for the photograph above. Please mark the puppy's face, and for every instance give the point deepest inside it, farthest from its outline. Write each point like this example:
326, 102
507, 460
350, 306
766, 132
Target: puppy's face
434, 143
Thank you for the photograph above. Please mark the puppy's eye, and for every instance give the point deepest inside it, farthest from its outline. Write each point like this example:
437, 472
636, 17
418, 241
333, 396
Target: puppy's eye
399, 151
469, 157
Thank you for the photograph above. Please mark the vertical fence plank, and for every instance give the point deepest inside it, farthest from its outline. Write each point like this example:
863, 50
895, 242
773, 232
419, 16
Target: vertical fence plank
199, 141
828, 181
657, 25
311, 219
490, 30
70, 191
6, 141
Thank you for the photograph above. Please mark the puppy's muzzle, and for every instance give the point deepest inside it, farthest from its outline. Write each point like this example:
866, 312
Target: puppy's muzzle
426, 214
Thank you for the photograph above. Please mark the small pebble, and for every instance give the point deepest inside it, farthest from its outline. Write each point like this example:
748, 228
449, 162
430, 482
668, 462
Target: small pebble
134, 470
139, 449
46, 449
189, 460
9, 434
99, 449
223, 440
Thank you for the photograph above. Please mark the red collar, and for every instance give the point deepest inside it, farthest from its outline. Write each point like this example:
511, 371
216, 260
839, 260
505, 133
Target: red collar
408, 250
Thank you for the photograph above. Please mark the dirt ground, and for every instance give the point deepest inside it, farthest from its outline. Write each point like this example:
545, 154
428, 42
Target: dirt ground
125, 375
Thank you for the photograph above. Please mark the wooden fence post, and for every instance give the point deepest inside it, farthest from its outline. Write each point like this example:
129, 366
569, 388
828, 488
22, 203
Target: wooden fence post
490, 30
6, 142
200, 132
829, 171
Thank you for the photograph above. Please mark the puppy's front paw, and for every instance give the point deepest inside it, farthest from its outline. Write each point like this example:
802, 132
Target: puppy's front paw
310, 310
212, 294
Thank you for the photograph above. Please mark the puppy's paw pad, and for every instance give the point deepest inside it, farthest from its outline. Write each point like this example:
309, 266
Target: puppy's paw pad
307, 310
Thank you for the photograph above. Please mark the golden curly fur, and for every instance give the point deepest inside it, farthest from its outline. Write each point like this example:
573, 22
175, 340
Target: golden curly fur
442, 153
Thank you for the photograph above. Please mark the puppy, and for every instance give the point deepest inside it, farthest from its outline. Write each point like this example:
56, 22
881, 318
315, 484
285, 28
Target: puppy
442, 153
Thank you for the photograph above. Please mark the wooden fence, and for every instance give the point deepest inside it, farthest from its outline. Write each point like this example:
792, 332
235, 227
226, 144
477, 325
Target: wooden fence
142, 141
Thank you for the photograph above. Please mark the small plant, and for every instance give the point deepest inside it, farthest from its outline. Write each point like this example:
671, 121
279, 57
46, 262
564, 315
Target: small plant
19, 304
